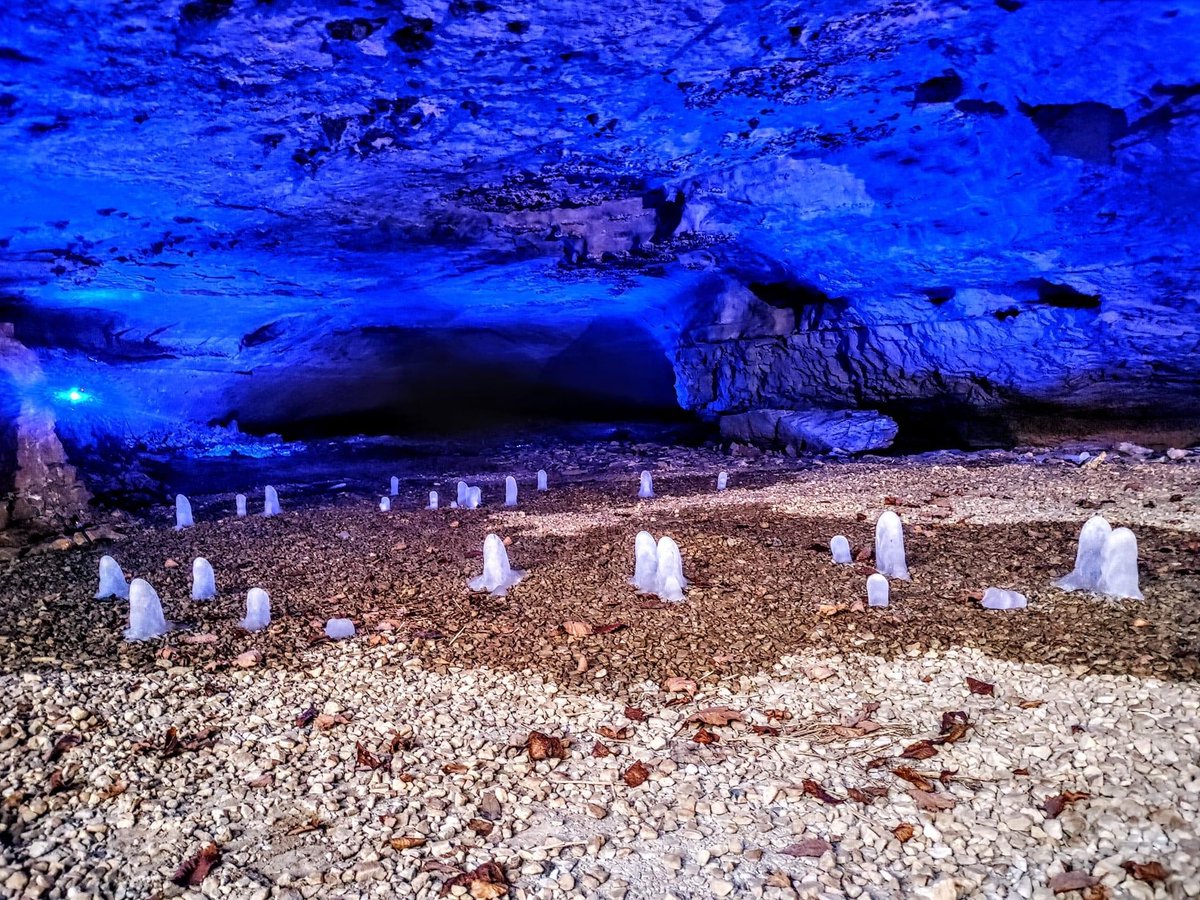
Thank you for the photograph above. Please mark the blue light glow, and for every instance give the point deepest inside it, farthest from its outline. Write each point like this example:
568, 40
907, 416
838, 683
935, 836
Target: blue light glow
73, 396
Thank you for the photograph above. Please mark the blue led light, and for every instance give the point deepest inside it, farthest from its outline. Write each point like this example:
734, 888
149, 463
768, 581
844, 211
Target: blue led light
73, 395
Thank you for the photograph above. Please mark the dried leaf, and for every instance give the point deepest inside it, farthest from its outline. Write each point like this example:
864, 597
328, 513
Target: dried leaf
815, 790
248, 660
305, 718
903, 832
116, 789
865, 552
633, 714
455, 768
1053, 806
600, 751
919, 750
609, 628
544, 746
194, 870
615, 734
481, 827
677, 685
932, 802
401, 743
955, 725
577, 629
876, 763
811, 848
405, 842
264, 780
313, 823
1072, 880
831, 609
485, 882
1030, 704
867, 795
636, 774
767, 730
368, 760
63, 745
980, 687
1148, 872
715, 716
913, 777
325, 722
704, 736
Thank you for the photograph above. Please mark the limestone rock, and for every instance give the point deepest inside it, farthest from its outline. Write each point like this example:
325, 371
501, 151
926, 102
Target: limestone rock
815, 430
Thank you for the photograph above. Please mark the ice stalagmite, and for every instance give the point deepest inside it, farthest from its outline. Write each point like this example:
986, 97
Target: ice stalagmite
840, 547
877, 590
889, 546
240, 502
543, 485
385, 504
337, 629
646, 488
395, 486
462, 493
258, 610
204, 583
112, 580
474, 497
183, 512
722, 480
645, 562
498, 576
510, 491
1001, 598
1088, 557
1119, 566
145, 613
433, 500
270, 501
668, 579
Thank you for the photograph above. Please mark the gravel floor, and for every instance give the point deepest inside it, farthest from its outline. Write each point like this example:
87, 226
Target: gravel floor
792, 743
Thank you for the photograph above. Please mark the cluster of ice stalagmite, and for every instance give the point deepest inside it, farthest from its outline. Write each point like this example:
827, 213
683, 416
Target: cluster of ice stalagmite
395, 486
338, 629
877, 590
463, 487
474, 497
270, 501
433, 500
183, 512
646, 486
840, 548
204, 582
510, 491
889, 546
722, 480
385, 504
240, 505
112, 580
498, 576
1105, 561
258, 610
658, 568
543, 484
1001, 598
146, 619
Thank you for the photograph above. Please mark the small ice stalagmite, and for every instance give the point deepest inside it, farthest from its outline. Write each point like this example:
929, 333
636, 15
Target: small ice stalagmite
668, 579
889, 546
722, 480
433, 500
510, 491
240, 502
474, 497
337, 629
1086, 574
1001, 598
146, 618
183, 512
385, 504
543, 484
1119, 567
645, 562
395, 486
840, 548
258, 610
498, 576
270, 501
463, 489
204, 583
112, 580
877, 590
646, 488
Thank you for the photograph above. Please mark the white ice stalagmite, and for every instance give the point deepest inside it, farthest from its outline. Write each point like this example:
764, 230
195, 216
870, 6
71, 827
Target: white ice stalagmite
270, 501
1119, 567
463, 489
1002, 598
204, 583
510, 491
240, 502
112, 580
889, 546
258, 610
474, 497
395, 486
146, 618
1088, 557
668, 578
646, 488
543, 484
385, 504
840, 548
337, 629
498, 576
433, 500
722, 480
183, 512
645, 562
877, 590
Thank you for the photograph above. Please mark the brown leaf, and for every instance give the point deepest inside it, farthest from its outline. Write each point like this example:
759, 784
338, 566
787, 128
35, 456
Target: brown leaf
831, 609
932, 802
678, 685
815, 790
1073, 880
248, 660
636, 774
264, 780
955, 725
615, 734
715, 716
367, 759
1148, 872
903, 832
313, 823
194, 870
919, 750
633, 714
811, 848
876, 763
704, 736
63, 745
455, 768
481, 827
116, 789
1053, 806
325, 722
1021, 771
305, 718
1030, 704
867, 795
205, 737
485, 882
609, 628
913, 777
60, 781
865, 552
543, 746
600, 751
980, 687
577, 629
404, 842
767, 730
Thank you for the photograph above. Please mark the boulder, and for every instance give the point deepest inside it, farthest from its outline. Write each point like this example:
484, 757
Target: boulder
815, 430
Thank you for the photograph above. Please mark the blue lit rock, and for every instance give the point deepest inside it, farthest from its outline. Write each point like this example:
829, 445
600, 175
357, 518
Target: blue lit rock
817, 430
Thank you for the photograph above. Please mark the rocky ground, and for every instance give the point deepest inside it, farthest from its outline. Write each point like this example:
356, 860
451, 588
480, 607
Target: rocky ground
770, 737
